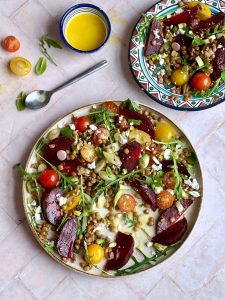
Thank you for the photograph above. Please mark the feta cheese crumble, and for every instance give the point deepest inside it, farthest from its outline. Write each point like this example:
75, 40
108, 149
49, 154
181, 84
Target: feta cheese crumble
92, 166
72, 126
167, 154
93, 127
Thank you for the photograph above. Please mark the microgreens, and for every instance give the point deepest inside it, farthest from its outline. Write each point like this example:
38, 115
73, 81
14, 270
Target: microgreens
131, 221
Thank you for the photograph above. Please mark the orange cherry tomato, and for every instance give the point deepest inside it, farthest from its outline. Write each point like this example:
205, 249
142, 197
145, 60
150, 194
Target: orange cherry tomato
111, 106
201, 81
82, 123
49, 178
11, 43
126, 203
164, 199
95, 253
169, 180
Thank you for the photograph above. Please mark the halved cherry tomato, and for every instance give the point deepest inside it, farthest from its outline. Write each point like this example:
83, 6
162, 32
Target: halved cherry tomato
49, 178
111, 106
88, 153
169, 180
100, 136
164, 132
201, 81
179, 77
20, 66
11, 43
164, 199
140, 136
73, 200
95, 254
126, 203
82, 123
204, 11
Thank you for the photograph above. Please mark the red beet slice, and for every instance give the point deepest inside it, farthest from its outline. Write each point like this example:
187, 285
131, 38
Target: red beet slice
219, 60
171, 215
181, 167
146, 193
187, 16
70, 166
145, 125
211, 23
130, 160
173, 234
51, 207
156, 34
66, 238
122, 252
183, 40
60, 143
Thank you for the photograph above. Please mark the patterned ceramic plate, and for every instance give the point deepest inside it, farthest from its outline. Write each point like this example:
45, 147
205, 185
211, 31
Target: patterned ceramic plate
146, 75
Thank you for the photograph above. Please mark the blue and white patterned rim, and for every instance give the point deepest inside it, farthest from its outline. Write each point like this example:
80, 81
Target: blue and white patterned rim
143, 73
81, 8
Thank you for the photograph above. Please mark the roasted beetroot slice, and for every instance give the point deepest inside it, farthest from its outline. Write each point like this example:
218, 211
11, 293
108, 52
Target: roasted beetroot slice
219, 60
187, 16
60, 143
66, 238
122, 252
173, 234
166, 164
51, 207
211, 23
70, 166
156, 26
183, 40
171, 215
130, 160
145, 125
146, 193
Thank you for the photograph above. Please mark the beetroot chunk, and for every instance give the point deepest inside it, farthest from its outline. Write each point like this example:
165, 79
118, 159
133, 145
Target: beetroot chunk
171, 215
219, 60
60, 143
187, 16
66, 238
173, 234
70, 166
166, 167
145, 125
51, 207
122, 252
156, 34
130, 160
211, 23
146, 193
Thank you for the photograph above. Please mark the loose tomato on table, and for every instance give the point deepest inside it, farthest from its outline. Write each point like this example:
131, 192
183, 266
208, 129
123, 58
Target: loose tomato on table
201, 81
20, 66
169, 180
165, 199
126, 203
95, 253
164, 132
82, 123
111, 106
49, 178
11, 43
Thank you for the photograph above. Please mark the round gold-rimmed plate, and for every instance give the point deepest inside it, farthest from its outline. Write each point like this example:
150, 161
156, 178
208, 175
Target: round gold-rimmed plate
191, 214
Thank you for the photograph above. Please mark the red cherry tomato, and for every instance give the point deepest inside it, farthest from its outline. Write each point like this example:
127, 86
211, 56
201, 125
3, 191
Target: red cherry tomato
126, 203
11, 44
201, 82
82, 123
100, 136
49, 178
111, 106
164, 199
169, 180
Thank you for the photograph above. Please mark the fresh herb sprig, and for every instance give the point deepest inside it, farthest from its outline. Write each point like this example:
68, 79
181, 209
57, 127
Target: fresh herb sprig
132, 105
45, 42
63, 221
154, 181
49, 248
173, 142
131, 221
144, 28
141, 265
178, 186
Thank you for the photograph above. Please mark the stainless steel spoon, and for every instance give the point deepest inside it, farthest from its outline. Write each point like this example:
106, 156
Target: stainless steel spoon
38, 99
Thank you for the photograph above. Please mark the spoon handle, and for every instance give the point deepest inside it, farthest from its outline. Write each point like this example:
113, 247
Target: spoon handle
82, 75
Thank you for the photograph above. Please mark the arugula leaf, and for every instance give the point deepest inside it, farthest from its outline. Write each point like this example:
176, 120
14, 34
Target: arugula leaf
154, 181
178, 187
197, 41
48, 248
143, 29
45, 42
41, 66
134, 122
20, 101
67, 132
132, 105
41, 145
63, 221
103, 116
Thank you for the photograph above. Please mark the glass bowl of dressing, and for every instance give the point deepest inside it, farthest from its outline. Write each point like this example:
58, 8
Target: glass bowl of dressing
85, 28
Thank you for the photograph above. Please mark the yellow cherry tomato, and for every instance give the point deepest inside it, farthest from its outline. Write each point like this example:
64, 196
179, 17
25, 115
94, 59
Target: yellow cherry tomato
140, 137
95, 254
72, 200
20, 66
179, 77
88, 153
164, 132
204, 11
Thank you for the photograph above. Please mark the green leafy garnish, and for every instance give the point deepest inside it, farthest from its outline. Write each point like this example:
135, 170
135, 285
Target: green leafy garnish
132, 221
103, 116
63, 221
134, 122
223, 76
178, 186
143, 29
154, 181
197, 41
41, 66
146, 233
192, 160
41, 145
45, 42
67, 132
20, 101
132, 105
173, 142
49, 248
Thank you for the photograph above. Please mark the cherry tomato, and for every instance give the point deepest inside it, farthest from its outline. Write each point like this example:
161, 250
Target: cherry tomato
82, 123
88, 153
73, 200
201, 81
169, 180
164, 199
20, 66
111, 106
11, 43
140, 136
49, 178
164, 132
204, 11
126, 203
95, 254
179, 77
100, 136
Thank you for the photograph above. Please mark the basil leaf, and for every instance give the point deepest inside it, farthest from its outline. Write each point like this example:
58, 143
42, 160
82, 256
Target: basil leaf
223, 75
41, 66
67, 132
20, 101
